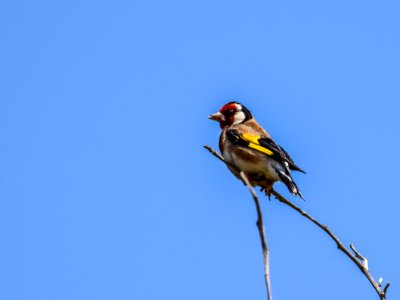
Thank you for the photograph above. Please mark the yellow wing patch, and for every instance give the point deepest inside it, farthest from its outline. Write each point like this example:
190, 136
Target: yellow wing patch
254, 144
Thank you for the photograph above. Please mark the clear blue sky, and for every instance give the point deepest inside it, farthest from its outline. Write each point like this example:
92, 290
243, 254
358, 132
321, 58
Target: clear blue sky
106, 191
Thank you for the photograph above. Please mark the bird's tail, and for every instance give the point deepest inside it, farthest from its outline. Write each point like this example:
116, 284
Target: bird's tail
290, 184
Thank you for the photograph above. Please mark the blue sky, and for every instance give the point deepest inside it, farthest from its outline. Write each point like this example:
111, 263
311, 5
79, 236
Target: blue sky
106, 191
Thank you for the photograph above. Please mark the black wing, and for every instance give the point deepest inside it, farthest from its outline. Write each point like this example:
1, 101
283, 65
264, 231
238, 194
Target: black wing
279, 153
264, 145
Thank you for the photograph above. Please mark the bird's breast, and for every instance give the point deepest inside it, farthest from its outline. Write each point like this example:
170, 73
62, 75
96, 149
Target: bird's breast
250, 161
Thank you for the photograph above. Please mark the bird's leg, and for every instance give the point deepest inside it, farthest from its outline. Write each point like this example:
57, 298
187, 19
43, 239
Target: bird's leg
267, 187
261, 181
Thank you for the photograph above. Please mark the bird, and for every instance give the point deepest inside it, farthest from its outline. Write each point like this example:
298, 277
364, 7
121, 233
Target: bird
247, 147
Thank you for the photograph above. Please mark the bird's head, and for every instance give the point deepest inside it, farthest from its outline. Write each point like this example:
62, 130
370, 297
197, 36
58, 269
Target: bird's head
230, 114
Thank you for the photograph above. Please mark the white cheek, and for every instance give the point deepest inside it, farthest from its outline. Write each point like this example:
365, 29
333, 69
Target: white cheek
239, 117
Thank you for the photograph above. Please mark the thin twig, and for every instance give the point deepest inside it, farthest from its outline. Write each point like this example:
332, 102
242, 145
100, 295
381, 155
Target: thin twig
357, 258
363, 259
260, 222
261, 231
354, 258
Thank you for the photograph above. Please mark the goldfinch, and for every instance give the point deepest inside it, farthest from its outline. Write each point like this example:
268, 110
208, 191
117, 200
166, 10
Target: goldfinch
249, 148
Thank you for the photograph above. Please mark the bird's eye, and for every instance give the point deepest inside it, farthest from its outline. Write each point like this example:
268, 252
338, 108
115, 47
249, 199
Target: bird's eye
231, 111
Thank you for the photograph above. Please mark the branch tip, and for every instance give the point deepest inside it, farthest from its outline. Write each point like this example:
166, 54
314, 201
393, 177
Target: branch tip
386, 287
380, 281
360, 261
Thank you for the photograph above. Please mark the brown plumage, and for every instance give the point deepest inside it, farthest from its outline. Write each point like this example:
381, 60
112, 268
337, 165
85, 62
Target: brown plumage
249, 147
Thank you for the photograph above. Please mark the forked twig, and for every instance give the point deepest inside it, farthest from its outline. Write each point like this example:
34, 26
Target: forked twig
360, 261
357, 258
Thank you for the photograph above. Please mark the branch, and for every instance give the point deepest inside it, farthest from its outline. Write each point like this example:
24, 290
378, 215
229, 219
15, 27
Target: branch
360, 261
260, 222
261, 231
357, 258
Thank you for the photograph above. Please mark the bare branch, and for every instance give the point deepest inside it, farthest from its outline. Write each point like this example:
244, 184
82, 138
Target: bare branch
215, 153
360, 261
261, 231
260, 222
360, 264
363, 259
385, 289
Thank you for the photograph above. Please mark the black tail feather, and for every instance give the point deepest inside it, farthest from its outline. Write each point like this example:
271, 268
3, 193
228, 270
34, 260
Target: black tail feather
290, 184
296, 168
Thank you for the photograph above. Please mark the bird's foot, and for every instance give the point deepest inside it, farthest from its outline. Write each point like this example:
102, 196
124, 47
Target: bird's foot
267, 188
268, 193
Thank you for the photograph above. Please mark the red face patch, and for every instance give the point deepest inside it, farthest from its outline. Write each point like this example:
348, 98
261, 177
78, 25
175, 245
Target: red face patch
229, 108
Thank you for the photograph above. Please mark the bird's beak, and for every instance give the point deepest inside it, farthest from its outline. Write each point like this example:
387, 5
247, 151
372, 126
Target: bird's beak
217, 117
